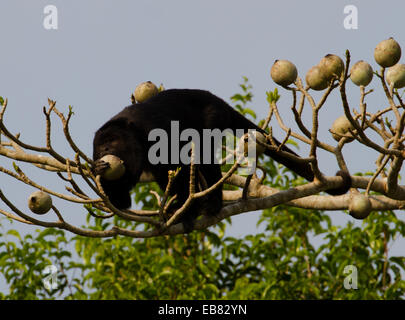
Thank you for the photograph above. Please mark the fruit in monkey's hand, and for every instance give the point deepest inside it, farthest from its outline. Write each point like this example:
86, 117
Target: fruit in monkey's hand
39, 202
116, 167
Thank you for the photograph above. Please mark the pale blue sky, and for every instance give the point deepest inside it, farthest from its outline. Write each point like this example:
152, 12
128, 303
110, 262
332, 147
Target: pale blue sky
103, 49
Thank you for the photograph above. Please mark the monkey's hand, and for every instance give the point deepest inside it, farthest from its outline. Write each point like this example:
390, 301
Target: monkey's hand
100, 167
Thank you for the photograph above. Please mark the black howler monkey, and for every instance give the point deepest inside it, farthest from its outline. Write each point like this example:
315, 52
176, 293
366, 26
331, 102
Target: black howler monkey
126, 136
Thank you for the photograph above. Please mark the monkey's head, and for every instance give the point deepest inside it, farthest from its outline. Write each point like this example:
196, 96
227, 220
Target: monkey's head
115, 137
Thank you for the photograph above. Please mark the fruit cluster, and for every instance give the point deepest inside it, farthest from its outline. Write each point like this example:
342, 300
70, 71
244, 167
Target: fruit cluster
386, 54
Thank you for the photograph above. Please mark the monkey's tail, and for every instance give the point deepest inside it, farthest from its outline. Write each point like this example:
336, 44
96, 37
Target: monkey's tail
302, 169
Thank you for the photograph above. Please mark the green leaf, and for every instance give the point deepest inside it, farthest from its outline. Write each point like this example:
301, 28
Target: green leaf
237, 97
14, 233
250, 112
272, 97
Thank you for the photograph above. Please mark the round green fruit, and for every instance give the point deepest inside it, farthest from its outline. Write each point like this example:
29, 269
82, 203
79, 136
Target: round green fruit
39, 202
387, 53
396, 76
359, 206
331, 65
145, 91
341, 127
316, 79
116, 169
361, 73
283, 72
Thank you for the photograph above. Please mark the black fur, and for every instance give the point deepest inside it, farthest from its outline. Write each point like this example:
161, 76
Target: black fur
126, 136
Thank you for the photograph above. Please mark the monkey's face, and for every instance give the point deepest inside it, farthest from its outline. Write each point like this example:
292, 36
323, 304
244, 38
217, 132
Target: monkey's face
111, 145
113, 140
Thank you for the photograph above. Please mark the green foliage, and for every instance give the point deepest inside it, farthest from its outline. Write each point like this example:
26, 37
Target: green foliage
158, 268
299, 255
272, 97
23, 260
281, 263
241, 99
